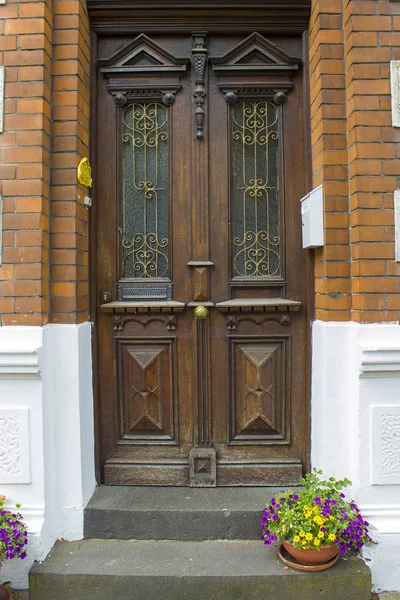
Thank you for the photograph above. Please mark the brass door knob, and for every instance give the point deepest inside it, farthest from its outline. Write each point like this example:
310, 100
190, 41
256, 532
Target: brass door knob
200, 312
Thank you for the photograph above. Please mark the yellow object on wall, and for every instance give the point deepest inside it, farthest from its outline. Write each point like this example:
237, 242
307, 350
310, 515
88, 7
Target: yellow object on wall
84, 173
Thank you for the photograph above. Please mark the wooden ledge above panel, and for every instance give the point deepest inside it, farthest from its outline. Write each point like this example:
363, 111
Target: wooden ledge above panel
175, 16
246, 305
143, 307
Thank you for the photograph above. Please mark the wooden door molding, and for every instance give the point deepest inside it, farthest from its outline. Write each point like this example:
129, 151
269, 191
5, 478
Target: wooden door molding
255, 68
143, 70
185, 401
286, 16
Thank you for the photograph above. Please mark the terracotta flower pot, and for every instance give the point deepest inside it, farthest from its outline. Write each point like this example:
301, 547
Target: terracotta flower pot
311, 556
5, 593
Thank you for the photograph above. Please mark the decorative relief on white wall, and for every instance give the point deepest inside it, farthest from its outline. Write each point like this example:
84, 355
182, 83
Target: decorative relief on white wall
385, 449
391, 444
14, 445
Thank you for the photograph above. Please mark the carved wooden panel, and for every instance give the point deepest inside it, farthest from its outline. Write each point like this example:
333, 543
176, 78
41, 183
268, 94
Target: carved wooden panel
147, 399
260, 390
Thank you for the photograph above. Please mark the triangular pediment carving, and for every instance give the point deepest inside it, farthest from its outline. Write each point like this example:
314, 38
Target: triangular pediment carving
255, 58
255, 69
255, 52
143, 54
143, 70
142, 59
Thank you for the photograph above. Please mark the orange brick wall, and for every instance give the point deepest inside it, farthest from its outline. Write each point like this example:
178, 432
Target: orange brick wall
355, 156
26, 53
330, 158
44, 47
70, 135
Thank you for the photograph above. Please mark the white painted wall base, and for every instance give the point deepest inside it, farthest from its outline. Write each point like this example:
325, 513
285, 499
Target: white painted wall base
46, 434
356, 428
46, 418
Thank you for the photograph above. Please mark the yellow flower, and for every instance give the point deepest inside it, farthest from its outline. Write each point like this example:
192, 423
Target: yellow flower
331, 518
331, 537
302, 534
316, 542
296, 539
308, 537
321, 534
318, 520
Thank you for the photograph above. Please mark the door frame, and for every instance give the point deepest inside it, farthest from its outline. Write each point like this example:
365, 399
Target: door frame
288, 17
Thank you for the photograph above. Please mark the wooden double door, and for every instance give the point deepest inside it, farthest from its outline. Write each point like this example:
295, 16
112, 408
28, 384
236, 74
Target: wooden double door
202, 283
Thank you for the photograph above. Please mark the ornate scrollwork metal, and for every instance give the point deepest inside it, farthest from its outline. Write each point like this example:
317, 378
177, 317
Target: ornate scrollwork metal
256, 241
256, 125
253, 251
144, 127
145, 130
148, 255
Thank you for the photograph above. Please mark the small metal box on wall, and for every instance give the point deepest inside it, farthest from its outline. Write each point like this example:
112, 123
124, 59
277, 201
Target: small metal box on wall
312, 218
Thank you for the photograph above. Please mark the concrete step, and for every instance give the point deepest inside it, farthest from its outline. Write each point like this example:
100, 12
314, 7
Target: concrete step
175, 513
154, 570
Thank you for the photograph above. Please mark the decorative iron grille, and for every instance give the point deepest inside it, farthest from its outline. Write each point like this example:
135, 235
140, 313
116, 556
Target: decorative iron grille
255, 189
145, 191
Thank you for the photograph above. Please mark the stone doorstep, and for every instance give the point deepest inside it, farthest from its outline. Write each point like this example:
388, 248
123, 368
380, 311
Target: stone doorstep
123, 512
165, 570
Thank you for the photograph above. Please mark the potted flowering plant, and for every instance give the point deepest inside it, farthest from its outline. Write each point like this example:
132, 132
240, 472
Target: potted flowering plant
13, 533
316, 522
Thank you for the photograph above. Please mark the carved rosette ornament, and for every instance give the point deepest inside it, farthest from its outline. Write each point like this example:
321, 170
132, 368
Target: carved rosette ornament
199, 62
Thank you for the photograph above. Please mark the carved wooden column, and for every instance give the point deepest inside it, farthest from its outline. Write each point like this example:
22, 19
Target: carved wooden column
202, 456
200, 261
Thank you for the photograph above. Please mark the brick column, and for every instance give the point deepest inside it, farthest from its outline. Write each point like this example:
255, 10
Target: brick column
69, 224
371, 36
329, 157
45, 51
26, 52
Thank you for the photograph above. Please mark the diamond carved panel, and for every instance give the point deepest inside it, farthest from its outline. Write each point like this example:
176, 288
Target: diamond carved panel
259, 391
146, 398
